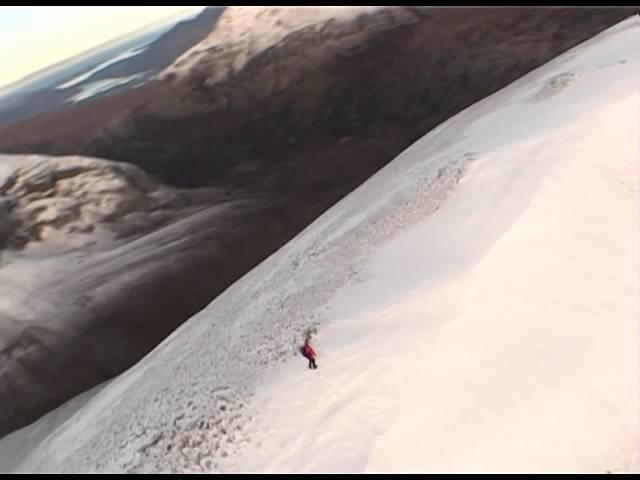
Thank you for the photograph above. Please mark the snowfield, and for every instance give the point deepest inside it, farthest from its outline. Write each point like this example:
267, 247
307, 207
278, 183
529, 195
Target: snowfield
476, 305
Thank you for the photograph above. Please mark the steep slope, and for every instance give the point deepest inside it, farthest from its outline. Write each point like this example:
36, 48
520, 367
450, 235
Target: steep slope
476, 305
284, 111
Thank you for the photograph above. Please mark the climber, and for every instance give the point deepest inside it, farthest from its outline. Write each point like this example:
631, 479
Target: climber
309, 353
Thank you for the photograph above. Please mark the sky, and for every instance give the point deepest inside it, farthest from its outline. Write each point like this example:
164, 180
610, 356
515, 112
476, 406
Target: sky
32, 38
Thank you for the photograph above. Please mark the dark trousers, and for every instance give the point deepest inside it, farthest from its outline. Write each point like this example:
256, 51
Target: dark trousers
312, 363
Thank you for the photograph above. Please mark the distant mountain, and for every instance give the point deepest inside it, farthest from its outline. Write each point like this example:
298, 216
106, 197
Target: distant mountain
53, 75
163, 51
158, 47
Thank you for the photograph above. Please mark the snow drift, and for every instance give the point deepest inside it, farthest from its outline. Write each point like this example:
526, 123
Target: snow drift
476, 304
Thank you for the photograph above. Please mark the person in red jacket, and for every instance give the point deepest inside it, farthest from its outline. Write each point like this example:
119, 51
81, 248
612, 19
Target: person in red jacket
309, 353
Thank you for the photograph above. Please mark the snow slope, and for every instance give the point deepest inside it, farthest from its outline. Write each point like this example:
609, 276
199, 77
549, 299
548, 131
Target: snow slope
476, 303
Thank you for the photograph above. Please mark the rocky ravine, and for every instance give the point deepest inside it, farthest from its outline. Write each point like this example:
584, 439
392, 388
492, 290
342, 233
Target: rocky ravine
276, 115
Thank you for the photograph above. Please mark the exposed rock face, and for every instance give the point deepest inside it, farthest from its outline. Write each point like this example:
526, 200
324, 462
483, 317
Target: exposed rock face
277, 115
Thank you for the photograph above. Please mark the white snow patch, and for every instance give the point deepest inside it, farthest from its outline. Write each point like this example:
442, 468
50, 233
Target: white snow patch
102, 86
132, 52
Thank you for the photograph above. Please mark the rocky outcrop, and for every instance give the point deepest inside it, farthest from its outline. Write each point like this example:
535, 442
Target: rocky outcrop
65, 199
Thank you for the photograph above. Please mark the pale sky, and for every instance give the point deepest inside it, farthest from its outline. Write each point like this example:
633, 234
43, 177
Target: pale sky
32, 38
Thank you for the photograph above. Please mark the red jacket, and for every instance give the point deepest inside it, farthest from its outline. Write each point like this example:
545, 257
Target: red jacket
308, 351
